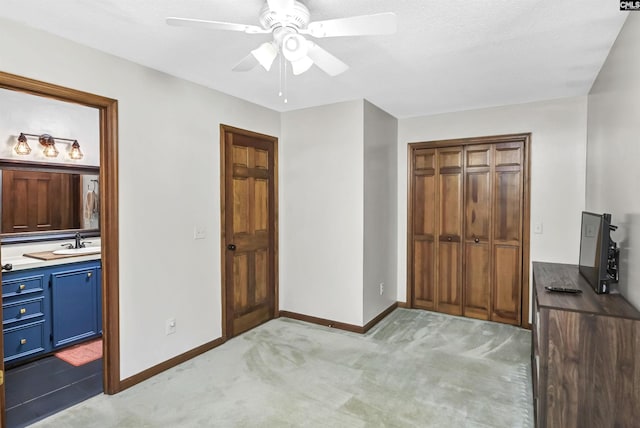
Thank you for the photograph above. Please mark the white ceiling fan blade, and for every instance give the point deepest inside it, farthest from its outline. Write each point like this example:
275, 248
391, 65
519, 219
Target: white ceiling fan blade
247, 63
280, 5
364, 25
325, 61
216, 25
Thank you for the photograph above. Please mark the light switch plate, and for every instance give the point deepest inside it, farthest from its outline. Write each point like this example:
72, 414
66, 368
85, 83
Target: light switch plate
199, 232
537, 228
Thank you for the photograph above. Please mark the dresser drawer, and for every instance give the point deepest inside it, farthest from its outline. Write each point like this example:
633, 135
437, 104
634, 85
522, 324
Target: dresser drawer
24, 340
22, 286
22, 310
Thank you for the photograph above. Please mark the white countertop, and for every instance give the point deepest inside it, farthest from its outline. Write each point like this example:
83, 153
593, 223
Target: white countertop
14, 254
22, 263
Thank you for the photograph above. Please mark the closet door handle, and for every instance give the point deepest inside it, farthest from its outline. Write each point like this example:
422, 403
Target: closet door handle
231, 247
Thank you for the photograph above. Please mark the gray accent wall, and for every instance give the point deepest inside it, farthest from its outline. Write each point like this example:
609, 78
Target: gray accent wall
380, 214
613, 150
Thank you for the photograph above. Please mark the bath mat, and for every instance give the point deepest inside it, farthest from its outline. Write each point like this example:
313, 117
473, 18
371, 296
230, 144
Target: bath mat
81, 354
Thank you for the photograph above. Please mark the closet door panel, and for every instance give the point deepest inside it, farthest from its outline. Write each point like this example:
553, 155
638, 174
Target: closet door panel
477, 286
424, 219
424, 228
507, 228
478, 205
449, 250
477, 230
424, 274
507, 284
449, 278
508, 206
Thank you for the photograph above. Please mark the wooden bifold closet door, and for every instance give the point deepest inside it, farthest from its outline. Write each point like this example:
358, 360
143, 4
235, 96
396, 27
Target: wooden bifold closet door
467, 206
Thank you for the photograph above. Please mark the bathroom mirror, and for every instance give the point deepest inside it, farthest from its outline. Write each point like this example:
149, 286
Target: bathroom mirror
42, 202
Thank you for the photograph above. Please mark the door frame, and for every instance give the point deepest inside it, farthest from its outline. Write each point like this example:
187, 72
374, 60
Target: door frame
108, 112
223, 244
525, 138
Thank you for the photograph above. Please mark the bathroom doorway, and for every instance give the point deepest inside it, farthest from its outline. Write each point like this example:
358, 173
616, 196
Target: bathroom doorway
108, 221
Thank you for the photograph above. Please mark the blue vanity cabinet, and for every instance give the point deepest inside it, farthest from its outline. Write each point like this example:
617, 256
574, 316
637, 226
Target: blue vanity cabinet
74, 303
25, 313
47, 308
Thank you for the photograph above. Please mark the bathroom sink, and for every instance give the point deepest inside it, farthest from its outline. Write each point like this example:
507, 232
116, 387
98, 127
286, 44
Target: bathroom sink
77, 251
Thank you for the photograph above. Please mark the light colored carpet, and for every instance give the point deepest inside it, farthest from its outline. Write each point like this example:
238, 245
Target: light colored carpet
414, 369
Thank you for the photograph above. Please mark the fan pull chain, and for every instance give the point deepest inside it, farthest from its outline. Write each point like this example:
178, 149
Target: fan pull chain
283, 79
285, 83
280, 76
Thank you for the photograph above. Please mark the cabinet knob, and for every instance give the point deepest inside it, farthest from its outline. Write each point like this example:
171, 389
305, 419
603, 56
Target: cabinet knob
23, 311
22, 287
23, 341
476, 240
449, 238
88, 274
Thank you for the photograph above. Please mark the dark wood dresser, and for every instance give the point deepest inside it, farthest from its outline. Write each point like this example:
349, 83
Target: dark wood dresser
585, 354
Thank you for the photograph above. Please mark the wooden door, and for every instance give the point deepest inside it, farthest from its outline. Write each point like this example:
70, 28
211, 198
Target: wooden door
477, 230
249, 229
507, 233
468, 233
423, 276
449, 231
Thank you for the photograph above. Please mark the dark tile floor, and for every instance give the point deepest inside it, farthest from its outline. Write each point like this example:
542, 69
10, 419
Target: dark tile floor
41, 388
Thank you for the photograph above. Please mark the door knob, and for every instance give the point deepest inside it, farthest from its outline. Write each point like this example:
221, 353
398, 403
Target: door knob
231, 247
476, 240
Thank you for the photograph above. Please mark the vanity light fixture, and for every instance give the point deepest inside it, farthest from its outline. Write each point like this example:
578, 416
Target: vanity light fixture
22, 148
49, 143
75, 152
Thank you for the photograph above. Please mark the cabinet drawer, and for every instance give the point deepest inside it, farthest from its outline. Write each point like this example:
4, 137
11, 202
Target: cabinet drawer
24, 340
22, 286
22, 310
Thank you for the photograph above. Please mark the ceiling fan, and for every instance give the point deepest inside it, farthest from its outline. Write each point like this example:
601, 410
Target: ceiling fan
289, 21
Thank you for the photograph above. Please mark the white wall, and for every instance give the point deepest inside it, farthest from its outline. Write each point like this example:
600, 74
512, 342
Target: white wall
31, 114
164, 191
558, 158
380, 221
613, 150
321, 211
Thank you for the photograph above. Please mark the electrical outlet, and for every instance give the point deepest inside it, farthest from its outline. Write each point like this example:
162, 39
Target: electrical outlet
381, 288
170, 326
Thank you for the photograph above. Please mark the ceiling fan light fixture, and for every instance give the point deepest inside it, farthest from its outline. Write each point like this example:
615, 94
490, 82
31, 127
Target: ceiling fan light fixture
301, 65
294, 47
265, 54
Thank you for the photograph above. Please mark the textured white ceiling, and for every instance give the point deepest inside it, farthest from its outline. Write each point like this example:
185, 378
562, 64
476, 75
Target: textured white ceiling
447, 55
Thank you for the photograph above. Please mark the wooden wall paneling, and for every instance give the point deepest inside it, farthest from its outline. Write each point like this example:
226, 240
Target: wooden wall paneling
477, 262
449, 231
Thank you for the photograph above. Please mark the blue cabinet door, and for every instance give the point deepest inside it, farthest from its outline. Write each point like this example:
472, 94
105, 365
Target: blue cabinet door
74, 301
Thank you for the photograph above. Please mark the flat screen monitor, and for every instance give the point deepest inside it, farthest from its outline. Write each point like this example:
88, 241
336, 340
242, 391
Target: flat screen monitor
594, 250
